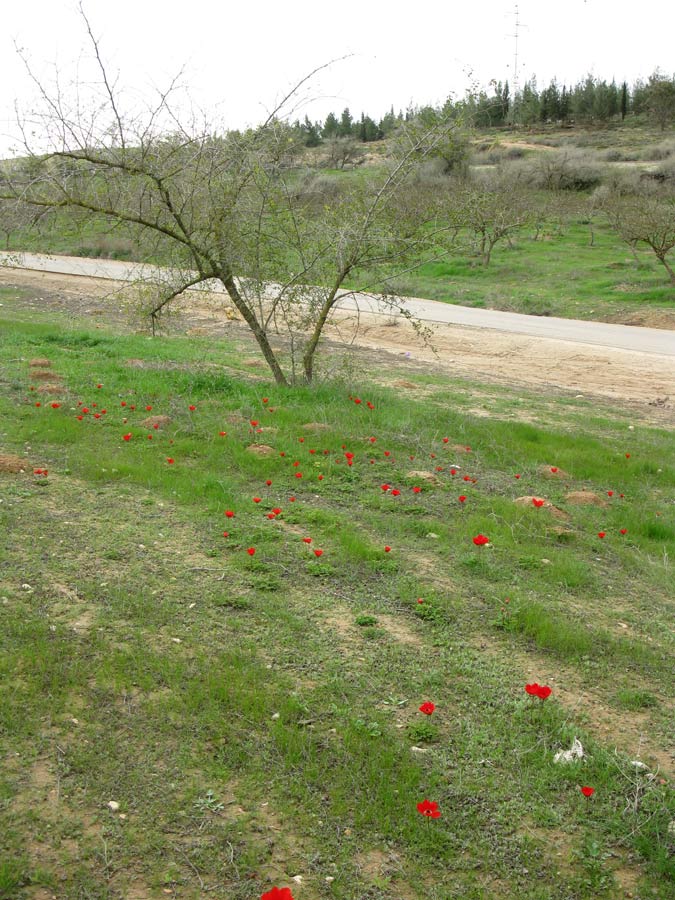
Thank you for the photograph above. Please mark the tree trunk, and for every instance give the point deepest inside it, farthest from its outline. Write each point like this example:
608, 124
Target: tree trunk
664, 262
258, 331
315, 337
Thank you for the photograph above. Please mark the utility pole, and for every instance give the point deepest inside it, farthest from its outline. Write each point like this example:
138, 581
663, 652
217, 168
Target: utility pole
515, 81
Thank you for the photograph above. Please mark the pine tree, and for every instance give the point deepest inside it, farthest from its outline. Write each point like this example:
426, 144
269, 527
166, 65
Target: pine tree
623, 102
330, 126
346, 126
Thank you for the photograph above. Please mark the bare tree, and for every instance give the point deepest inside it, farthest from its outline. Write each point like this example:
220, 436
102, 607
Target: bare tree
341, 152
646, 220
229, 208
490, 213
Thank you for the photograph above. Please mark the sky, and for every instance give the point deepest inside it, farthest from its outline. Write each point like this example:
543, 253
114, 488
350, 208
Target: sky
238, 59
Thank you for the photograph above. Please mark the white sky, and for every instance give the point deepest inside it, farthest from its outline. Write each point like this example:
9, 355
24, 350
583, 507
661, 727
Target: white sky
240, 57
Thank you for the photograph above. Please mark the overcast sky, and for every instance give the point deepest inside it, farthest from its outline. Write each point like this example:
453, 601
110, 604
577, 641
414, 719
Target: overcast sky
239, 58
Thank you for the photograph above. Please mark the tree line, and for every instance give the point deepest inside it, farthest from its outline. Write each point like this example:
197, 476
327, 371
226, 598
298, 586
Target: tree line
589, 101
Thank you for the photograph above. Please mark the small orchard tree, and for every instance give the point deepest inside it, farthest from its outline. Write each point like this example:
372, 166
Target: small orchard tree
660, 99
491, 214
230, 208
646, 220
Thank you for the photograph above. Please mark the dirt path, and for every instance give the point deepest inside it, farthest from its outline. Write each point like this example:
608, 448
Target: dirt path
484, 355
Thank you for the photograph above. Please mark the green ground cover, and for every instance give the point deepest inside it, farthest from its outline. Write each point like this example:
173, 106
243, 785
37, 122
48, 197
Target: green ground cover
256, 717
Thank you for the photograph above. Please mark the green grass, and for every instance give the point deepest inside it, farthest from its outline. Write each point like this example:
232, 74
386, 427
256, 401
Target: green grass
254, 716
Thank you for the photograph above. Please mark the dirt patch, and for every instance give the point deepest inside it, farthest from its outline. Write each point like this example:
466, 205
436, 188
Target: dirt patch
40, 363
43, 375
585, 498
261, 450
160, 421
316, 426
553, 472
546, 504
52, 389
429, 477
400, 630
13, 465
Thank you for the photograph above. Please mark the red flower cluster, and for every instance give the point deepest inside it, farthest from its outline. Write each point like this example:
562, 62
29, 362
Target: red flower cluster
538, 690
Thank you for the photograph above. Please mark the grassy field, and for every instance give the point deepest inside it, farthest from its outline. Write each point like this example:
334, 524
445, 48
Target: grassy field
179, 717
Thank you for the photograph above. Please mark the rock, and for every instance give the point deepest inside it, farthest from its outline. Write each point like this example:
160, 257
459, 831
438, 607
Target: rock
113, 806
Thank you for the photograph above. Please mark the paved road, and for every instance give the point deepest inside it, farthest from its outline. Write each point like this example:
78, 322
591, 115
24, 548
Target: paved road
602, 334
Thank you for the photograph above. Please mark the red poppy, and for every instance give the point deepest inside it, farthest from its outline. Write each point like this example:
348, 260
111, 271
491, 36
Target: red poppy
318, 552
291, 499
99, 385
147, 408
385, 487
349, 455
462, 499
301, 440
387, 549
417, 490
623, 531
467, 478
387, 452
156, 426
268, 482
298, 474
123, 403
229, 513
554, 469
516, 476
320, 477
432, 455
251, 551
254, 423
420, 600
257, 499
480, 540
226, 534
222, 433
149, 436
169, 459
79, 418
411, 458
538, 503
427, 708
55, 405
370, 405
296, 463
85, 410
104, 411
133, 407
588, 791
627, 455
395, 492
538, 690
429, 808
372, 440
278, 894
277, 510
357, 400
38, 403
307, 540
610, 493
445, 440
601, 534
453, 471
312, 452
126, 437
192, 408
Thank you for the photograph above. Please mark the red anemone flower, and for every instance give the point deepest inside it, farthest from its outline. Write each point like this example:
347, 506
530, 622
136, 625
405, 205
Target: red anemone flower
278, 894
429, 808
387, 549
481, 540
427, 708
462, 499
192, 408
126, 437
538, 503
170, 460
257, 499
588, 791
318, 552
601, 534
251, 551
